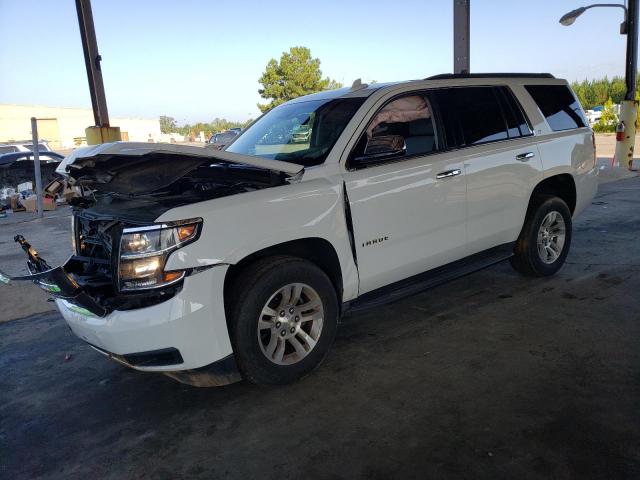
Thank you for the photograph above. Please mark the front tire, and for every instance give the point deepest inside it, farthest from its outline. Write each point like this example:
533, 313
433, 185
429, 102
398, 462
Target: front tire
283, 321
543, 244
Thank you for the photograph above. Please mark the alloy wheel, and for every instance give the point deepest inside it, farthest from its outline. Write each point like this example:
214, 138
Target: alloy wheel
290, 324
551, 237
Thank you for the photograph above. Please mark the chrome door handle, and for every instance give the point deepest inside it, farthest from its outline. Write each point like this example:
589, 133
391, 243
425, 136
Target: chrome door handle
449, 173
523, 157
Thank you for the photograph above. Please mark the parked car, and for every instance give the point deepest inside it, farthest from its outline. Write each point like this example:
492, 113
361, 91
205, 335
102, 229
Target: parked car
221, 139
8, 159
23, 146
301, 134
214, 265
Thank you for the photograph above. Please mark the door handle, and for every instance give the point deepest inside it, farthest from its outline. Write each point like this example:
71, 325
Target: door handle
449, 173
523, 157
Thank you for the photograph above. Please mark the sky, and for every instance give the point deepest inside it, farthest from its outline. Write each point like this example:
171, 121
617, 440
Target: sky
196, 60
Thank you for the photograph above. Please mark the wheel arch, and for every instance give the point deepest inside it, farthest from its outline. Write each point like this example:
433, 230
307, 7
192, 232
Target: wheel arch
314, 249
561, 185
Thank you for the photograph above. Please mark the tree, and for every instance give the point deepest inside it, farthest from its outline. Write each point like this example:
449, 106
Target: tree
167, 124
296, 74
608, 120
592, 93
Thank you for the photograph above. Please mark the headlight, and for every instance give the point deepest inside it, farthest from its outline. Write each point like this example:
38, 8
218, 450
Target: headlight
144, 252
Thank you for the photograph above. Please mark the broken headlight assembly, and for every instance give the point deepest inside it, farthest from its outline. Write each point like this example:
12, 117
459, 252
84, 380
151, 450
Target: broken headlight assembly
144, 251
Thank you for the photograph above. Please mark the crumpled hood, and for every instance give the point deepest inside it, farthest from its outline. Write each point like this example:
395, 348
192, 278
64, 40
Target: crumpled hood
135, 167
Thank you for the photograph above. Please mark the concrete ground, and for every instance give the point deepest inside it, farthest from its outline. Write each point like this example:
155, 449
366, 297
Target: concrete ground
51, 237
491, 376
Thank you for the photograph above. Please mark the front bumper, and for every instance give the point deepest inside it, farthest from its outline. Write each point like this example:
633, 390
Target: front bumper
193, 322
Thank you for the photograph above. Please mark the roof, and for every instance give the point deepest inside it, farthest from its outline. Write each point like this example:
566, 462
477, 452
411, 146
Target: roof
366, 90
448, 76
346, 92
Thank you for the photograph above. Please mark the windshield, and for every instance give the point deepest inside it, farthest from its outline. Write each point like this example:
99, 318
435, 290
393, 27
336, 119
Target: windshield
302, 132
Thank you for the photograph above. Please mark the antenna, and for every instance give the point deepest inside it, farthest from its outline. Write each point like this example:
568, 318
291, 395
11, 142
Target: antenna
357, 84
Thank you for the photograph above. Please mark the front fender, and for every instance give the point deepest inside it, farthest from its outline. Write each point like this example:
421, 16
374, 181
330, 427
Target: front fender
235, 227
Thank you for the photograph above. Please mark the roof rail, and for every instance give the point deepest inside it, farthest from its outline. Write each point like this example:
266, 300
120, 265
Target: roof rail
445, 76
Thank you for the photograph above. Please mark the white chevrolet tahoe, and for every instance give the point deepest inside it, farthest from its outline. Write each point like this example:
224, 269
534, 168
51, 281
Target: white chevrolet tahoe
211, 266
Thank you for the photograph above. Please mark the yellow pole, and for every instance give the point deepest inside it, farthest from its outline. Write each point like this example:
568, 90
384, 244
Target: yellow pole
97, 135
624, 148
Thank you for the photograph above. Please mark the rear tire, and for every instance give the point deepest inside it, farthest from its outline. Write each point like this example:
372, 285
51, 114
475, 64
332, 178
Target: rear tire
284, 315
543, 244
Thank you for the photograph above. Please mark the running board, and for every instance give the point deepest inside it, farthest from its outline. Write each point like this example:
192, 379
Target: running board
429, 279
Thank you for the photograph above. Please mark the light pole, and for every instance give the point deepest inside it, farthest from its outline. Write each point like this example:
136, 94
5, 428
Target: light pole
102, 132
626, 128
461, 35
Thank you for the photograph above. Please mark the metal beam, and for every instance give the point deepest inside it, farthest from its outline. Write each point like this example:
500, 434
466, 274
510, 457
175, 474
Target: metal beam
92, 62
632, 49
461, 43
626, 128
36, 164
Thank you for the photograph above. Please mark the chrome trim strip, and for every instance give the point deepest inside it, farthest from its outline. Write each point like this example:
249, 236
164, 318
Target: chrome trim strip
138, 289
155, 253
449, 173
148, 228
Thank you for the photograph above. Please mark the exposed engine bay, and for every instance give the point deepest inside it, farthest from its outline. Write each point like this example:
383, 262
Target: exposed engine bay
139, 190
119, 252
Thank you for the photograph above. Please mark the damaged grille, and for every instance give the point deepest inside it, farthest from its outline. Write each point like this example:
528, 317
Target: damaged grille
96, 242
95, 265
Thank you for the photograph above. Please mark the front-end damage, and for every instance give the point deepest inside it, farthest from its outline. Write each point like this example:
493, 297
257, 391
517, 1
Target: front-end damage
128, 187
120, 251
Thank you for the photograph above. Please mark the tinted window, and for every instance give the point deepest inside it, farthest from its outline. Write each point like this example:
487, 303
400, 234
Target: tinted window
517, 125
558, 105
402, 127
471, 115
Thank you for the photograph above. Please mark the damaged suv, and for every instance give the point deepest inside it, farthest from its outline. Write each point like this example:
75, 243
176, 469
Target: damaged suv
211, 266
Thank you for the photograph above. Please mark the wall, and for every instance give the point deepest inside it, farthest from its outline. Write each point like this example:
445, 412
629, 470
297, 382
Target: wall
15, 124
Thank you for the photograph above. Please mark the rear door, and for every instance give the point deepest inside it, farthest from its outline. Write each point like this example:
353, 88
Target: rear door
500, 158
408, 208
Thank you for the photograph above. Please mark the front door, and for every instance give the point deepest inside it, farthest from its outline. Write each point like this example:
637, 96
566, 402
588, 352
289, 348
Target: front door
407, 200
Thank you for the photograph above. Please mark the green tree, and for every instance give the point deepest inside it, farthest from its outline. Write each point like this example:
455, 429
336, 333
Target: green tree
617, 89
215, 126
167, 124
608, 120
296, 74
596, 92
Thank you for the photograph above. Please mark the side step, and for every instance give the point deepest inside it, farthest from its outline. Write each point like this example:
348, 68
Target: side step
429, 279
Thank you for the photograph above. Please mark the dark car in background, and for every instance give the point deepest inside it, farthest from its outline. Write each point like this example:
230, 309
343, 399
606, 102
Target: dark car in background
220, 140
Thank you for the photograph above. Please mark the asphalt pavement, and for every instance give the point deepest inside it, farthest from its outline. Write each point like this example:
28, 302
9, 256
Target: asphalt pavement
491, 376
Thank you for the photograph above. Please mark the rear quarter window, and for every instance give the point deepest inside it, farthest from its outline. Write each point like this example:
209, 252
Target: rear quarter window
558, 105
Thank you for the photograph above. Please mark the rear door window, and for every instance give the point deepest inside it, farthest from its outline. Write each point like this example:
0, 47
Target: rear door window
517, 125
471, 115
558, 105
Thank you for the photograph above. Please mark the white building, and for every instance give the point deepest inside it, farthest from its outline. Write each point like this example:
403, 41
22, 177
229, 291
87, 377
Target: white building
64, 128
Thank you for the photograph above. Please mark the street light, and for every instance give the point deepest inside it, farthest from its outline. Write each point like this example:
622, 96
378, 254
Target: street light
626, 128
568, 18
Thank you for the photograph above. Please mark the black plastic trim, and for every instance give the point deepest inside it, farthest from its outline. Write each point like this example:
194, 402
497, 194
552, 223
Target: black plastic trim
429, 279
152, 358
155, 358
349, 220
451, 76
216, 374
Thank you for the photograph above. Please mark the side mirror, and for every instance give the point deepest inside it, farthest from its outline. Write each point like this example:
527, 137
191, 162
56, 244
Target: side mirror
382, 147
